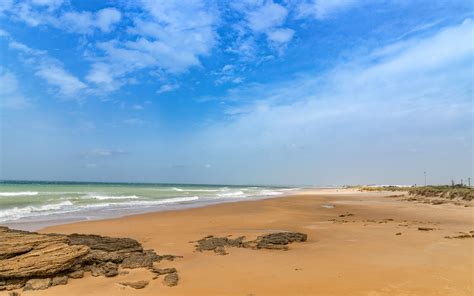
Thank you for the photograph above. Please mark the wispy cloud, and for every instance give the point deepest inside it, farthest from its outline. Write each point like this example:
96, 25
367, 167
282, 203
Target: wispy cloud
103, 153
380, 109
167, 88
11, 96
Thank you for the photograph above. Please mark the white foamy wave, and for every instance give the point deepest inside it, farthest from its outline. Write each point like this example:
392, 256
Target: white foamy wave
18, 213
177, 189
232, 194
24, 193
107, 197
270, 193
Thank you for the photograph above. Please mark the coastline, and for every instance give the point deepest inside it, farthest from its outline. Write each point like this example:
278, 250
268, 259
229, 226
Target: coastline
356, 254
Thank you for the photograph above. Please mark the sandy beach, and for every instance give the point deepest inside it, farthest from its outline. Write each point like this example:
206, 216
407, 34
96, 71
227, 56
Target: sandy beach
359, 243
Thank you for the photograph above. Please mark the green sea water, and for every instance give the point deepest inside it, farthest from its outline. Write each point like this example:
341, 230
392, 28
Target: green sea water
47, 203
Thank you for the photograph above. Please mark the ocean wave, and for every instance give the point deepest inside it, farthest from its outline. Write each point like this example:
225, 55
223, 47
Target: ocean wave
24, 193
232, 194
107, 197
20, 212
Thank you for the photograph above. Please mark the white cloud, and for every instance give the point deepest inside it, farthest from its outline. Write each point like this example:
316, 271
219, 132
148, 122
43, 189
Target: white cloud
166, 36
321, 9
167, 88
410, 107
55, 75
103, 153
50, 69
86, 22
280, 35
266, 17
10, 94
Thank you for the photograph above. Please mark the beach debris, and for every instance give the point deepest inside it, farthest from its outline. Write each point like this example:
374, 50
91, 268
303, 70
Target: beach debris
35, 261
398, 233
171, 279
278, 240
346, 215
425, 228
135, 285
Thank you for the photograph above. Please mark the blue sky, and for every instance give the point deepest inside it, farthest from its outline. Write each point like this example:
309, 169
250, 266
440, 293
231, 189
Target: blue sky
244, 92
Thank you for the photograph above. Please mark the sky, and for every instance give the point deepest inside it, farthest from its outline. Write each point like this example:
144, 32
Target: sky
310, 92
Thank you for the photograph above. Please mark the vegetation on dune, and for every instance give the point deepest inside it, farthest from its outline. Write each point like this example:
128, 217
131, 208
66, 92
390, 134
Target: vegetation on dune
444, 191
451, 192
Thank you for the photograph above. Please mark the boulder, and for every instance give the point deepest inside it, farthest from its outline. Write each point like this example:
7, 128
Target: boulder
105, 243
161, 271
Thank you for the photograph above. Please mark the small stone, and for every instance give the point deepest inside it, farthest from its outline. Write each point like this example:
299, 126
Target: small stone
59, 280
171, 279
136, 285
161, 271
398, 233
14, 293
110, 269
425, 228
78, 274
37, 284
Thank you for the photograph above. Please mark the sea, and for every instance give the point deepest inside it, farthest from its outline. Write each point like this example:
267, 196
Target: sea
33, 205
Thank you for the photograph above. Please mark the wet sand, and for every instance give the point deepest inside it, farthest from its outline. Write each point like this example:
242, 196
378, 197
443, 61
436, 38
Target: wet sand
355, 254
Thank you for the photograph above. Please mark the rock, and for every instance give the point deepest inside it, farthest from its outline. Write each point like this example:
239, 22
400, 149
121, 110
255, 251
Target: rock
38, 261
78, 274
29, 254
425, 228
104, 243
211, 243
171, 279
136, 285
168, 257
12, 284
398, 233
110, 269
14, 293
37, 284
220, 251
59, 280
161, 271
278, 240
139, 260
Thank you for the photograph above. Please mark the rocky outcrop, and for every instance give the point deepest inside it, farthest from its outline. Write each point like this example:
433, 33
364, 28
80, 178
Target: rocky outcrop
278, 240
35, 261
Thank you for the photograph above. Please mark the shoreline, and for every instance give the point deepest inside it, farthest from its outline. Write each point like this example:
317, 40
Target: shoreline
352, 248
356, 243
121, 213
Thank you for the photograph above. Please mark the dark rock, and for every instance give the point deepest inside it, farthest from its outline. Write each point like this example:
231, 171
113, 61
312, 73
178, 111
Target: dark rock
398, 233
211, 243
161, 271
110, 269
37, 284
14, 293
171, 279
77, 274
137, 260
425, 228
136, 285
105, 243
59, 280
169, 257
279, 239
